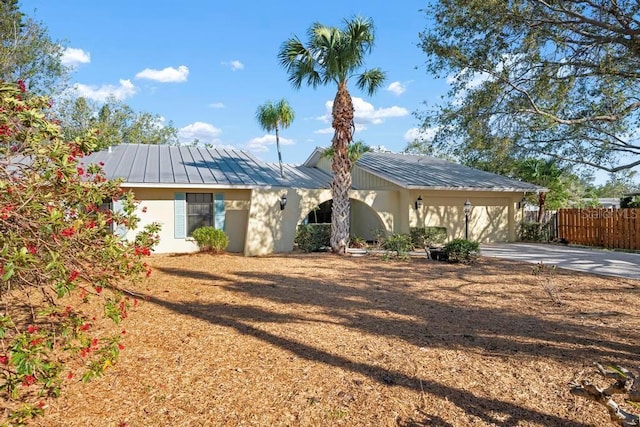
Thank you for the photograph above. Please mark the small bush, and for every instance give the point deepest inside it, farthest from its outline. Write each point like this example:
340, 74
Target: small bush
398, 242
357, 242
210, 239
461, 250
530, 232
424, 237
313, 237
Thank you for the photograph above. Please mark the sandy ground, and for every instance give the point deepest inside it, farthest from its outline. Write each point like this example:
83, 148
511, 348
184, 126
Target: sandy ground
320, 340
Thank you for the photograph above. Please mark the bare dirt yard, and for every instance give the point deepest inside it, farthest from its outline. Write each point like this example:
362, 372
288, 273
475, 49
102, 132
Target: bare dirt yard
320, 340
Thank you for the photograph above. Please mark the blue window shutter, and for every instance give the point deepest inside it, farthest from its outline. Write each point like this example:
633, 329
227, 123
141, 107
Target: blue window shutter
119, 230
219, 211
180, 215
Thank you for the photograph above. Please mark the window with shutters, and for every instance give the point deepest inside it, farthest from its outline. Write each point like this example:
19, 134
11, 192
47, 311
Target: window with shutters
199, 211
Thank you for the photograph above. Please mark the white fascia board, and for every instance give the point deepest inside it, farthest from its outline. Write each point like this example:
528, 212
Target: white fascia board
494, 189
195, 186
314, 158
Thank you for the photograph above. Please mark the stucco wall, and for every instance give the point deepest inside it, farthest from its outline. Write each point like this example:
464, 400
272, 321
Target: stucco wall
159, 205
256, 225
493, 215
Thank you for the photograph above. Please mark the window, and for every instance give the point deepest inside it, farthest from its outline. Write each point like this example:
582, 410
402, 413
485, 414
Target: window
194, 210
107, 206
199, 211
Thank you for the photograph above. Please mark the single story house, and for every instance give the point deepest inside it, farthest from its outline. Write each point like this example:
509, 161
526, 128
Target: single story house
184, 187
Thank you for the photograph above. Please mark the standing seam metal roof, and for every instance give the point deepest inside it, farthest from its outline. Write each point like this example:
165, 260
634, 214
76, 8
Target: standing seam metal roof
417, 171
165, 164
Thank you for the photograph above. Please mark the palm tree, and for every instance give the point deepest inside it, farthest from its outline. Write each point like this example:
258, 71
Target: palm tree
273, 116
332, 56
354, 152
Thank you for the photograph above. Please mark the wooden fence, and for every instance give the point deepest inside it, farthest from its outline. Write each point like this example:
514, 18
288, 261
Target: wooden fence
606, 228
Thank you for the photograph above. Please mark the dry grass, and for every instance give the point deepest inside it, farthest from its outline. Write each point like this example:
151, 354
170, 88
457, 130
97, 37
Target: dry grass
318, 340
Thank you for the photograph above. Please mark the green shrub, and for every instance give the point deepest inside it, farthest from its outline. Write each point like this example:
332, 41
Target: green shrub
461, 250
530, 232
357, 242
313, 237
210, 239
398, 242
424, 237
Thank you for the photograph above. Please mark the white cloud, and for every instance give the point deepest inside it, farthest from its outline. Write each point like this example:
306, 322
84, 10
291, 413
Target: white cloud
166, 75
205, 133
420, 134
261, 144
217, 105
324, 131
365, 113
125, 90
235, 65
397, 88
73, 57
329, 131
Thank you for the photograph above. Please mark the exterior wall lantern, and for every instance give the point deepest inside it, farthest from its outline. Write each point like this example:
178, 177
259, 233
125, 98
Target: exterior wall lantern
522, 203
283, 202
418, 203
467, 211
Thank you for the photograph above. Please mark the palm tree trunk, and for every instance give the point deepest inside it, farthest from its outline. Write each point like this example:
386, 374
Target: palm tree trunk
279, 153
341, 166
542, 201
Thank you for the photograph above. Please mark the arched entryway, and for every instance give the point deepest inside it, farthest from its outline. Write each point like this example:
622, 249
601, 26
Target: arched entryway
365, 221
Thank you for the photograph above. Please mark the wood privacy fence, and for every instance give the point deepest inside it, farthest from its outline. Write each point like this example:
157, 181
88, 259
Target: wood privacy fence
607, 228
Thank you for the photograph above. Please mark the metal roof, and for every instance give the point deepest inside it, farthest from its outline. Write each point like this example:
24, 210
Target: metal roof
297, 176
171, 165
165, 165
417, 171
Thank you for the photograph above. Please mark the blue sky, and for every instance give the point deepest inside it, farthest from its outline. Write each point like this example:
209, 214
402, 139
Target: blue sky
207, 65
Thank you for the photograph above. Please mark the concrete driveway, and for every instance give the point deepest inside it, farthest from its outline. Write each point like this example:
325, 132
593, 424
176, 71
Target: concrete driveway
597, 261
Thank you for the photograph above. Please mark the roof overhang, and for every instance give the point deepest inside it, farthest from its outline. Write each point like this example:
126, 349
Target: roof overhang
441, 188
314, 158
196, 186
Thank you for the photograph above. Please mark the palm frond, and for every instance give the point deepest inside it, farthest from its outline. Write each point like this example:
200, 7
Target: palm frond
331, 55
371, 80
285, 113
267, 116
274, 115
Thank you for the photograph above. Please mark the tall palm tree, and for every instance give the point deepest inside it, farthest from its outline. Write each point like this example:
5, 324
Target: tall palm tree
274, 116
332, 56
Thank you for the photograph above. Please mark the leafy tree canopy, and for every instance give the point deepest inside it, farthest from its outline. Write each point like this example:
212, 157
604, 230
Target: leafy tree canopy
62, 229
27, 52
618, 185
113, 123
536, 78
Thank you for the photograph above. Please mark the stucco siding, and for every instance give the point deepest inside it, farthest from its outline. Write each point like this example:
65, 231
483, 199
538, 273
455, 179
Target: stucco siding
160, 207
492, 217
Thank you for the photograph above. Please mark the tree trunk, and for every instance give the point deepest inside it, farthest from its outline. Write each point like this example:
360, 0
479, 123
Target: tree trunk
341, 167
542, 198
279, 154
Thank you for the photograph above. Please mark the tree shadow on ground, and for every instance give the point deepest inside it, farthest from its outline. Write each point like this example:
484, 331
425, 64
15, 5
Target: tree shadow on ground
398, 300
483, 408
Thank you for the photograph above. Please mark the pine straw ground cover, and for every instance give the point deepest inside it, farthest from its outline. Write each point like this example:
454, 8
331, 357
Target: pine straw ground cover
319, 340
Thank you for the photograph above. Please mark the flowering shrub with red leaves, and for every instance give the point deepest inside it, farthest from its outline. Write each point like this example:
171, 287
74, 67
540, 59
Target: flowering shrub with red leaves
57, 251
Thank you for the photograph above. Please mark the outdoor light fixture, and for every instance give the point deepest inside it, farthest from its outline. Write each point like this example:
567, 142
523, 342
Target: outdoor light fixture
418, 202
467, 211
522, 203
283, 202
